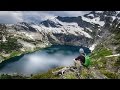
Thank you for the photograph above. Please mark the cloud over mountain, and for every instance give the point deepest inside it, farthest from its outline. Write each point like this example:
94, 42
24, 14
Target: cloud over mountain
10, 17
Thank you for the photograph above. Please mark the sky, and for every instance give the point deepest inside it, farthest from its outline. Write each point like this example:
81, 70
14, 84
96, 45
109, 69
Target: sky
12, 17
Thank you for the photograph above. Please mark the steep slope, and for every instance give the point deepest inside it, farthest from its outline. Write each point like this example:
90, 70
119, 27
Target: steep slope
19, 39
105, 58
86, 30
106, 55
98, 30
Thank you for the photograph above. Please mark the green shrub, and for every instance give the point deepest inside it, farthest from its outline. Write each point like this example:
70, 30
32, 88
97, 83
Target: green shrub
70, 76
118, 49
14, 53
117, 63
100, 52
6, 76
10, 45
110, 75
47, 75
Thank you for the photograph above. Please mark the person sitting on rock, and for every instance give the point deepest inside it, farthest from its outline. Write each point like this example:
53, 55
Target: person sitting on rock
80, 60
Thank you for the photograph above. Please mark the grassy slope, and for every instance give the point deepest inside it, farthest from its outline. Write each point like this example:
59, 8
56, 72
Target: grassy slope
98, 61
47, 75
85, 72
105, 65
12, 48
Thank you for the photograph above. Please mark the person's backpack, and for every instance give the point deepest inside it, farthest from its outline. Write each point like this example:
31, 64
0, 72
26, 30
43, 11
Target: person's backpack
87, 61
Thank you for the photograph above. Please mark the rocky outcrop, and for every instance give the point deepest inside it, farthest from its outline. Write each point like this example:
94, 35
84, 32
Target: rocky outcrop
72, 73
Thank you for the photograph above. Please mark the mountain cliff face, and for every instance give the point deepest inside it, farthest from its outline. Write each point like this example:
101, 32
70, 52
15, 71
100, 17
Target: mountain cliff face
98, 30
87, 30
105, 60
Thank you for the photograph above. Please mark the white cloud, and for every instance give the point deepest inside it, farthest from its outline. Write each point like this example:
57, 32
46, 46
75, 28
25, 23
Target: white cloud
10, 17
36, 15
69, 13
19, 16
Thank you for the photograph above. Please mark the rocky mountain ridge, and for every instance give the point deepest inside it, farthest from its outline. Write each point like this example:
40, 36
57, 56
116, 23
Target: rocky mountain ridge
87, 30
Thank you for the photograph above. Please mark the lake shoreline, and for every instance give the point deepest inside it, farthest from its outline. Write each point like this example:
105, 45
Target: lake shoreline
23, 53
65, 51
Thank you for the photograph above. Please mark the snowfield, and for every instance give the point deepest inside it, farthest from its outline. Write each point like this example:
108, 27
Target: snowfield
67, 28
89, 29
91, 15
99, 11
94, 20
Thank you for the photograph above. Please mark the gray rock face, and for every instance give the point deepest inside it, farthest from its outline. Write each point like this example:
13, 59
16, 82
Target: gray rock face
82, 30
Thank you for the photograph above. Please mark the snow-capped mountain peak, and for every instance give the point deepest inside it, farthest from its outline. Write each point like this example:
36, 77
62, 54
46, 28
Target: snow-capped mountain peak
81, 30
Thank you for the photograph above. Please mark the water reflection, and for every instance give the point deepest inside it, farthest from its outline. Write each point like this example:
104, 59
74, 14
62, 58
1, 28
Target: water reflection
41, 61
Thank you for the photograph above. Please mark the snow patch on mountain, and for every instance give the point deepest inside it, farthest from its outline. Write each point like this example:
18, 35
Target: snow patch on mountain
29, 36
37, 27
91, 15
93, 46
99, 36
62, 23
99, 11
86, 34
113, 17
94, 20
89, 29
66, 29
118, 12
